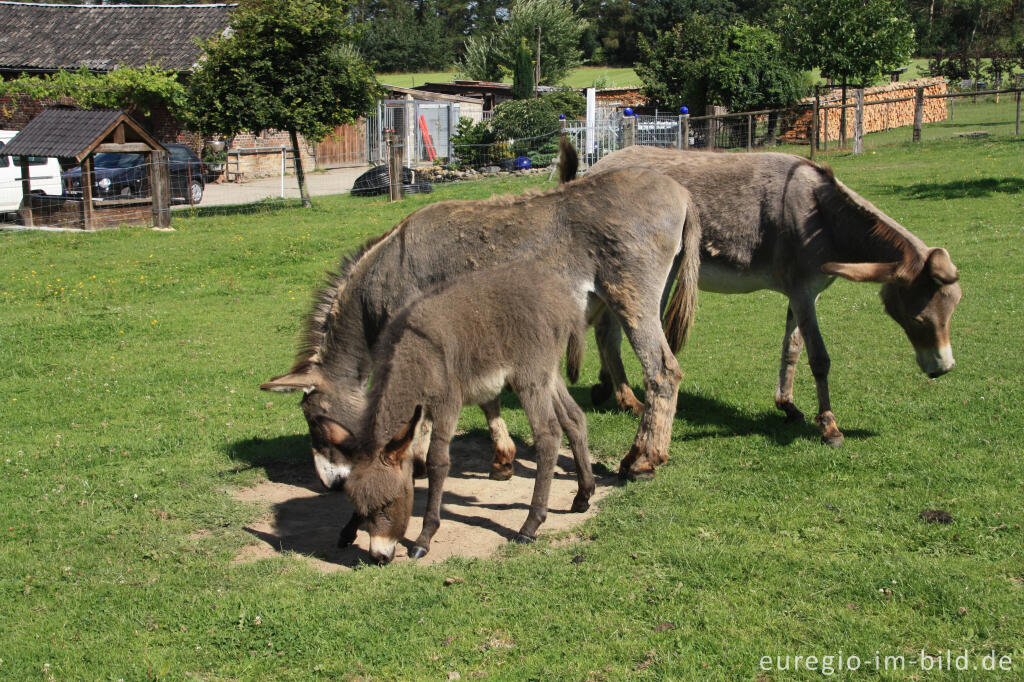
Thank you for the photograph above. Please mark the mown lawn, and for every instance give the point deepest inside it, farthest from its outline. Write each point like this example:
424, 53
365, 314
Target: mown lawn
129, 362
580, 77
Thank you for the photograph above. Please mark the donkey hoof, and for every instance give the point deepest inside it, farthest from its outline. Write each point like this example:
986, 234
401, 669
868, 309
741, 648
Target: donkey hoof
417, 552
796, 417
600, 393
833, 441
500, 474
580, 504
523, 539
636, 474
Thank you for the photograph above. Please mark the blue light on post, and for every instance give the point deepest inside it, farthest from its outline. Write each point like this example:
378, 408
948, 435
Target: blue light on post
561, 117
628, 111
684, 110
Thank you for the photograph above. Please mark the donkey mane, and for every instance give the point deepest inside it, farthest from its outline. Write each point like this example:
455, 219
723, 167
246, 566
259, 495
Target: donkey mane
316, 329
841, 200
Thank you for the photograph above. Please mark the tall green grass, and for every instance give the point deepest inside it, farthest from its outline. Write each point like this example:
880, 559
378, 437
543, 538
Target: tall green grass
129, 362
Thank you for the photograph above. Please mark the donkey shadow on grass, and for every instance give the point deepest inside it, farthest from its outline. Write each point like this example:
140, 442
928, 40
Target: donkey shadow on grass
308, 520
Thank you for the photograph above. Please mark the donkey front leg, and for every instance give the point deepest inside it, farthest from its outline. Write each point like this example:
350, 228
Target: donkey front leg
792, 346
818, 358
540, 411
504, 448
662, 377
574, 424
437, 473
612, 376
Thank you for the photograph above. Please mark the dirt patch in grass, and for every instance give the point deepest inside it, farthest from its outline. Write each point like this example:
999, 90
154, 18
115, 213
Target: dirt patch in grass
478, 515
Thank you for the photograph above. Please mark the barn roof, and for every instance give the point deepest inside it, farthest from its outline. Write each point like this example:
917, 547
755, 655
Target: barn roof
44, 38
75, 133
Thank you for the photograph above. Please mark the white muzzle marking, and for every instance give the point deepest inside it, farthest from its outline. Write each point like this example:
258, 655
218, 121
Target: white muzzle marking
331, 475
382, 548
935, 361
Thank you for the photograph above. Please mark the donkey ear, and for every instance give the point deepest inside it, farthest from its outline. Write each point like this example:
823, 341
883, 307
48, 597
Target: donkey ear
941, 267
307, 382
863, 272
395, 451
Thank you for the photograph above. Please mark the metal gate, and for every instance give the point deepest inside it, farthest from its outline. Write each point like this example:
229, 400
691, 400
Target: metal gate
423, 129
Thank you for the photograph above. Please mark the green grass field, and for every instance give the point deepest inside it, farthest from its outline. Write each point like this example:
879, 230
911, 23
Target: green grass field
580, 77
129, 411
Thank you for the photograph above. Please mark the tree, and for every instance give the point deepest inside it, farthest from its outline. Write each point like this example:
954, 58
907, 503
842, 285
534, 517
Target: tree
522, 76
287, 65
482, 62
850, 41
403, 36
700, 63
559, 41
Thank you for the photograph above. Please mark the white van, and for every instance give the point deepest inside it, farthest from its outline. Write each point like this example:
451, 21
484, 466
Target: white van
44, 172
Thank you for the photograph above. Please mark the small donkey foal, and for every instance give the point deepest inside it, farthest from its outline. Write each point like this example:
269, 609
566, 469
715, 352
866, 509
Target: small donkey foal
456, 346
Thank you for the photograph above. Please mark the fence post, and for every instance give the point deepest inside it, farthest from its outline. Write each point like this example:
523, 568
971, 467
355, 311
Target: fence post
918, 113
814, 121
712, 127
750, 132
1018, 113
825, 126
394, 166
628, 130
686, 130
284, 151
858, 122
160, 188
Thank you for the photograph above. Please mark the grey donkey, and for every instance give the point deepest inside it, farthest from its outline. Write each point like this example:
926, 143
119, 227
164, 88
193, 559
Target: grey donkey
460, 345
621, 240
777, 221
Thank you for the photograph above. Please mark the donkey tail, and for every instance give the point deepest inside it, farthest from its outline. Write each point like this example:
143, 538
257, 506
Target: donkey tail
682, 307
574, 354
568, 161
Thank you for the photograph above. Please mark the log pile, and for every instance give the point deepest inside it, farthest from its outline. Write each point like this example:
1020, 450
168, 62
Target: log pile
876, 116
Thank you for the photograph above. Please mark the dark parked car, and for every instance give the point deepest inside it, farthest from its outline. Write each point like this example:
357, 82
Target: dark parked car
127, 175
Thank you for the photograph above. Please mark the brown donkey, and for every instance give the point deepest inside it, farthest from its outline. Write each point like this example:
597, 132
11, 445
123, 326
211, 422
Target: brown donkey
621, 240
460, 345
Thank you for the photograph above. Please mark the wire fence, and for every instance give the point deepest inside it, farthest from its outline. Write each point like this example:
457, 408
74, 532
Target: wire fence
124, 196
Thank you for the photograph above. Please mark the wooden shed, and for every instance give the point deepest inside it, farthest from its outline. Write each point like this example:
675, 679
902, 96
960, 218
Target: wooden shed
74, 136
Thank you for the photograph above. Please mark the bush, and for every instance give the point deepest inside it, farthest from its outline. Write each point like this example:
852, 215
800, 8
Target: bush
567, 101
473, 143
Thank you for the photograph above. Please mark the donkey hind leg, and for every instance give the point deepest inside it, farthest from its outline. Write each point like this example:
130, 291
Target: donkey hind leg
574, 424
504, 449
662, 377
792, 346
539, 405
612, 377
437, 472
818, 358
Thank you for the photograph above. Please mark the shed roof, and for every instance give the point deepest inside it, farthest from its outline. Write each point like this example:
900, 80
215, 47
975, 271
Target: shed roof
41, 37
75, 133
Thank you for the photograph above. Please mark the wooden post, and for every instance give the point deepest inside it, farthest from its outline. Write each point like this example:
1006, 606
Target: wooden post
858, 122
26, 193
87, 178
712, 126
825, 126
842, 118
750, 132
394, 166
1018, 113
918, 113
160, 188
536, 67
686, 131
814, 121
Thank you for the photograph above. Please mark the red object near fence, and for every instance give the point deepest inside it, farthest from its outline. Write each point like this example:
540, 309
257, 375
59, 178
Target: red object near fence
427, 142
